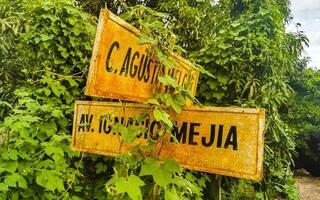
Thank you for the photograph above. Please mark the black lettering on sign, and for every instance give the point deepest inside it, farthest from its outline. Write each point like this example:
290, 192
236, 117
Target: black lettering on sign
184, 80
177, 76
116, 120
232, 138
133, 67
106, 129
85, 123
211, 139
220, 132
193, 133
114, 44
144, 66
180, 135
126, 63
147, 75
100, 125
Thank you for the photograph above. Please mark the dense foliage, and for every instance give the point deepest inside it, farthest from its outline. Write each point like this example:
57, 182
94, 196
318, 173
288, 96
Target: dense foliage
44, 55
304, 116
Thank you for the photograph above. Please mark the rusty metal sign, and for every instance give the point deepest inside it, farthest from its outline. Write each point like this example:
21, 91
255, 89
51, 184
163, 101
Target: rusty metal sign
227, 141
120, 68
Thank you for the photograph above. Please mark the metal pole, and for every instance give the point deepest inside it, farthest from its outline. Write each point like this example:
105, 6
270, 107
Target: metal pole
216, 187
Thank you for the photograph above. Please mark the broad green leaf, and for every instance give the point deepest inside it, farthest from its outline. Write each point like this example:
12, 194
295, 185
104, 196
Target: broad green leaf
162, 116
11, 154
213, 84
153, 101
64, 54
128, 134
168, 81
219, 95
126, 15
75, 198
72, 82
145, 40
180, 99
164, 59
131, 186
50, 180
223, 78
162, 177
15, 180
3, 187
171, 194
56, 91
162, 174
72, 20
57, 113
171, 165
202, 70
168, 99
11, 166
149, 166
56, 152
46, 164
176, 107
46, 108
45, 37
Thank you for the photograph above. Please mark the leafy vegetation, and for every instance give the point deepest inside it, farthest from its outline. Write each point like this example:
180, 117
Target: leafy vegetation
247, 58
303, 115
46, 53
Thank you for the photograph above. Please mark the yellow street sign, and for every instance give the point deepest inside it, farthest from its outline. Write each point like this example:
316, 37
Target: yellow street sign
227, 141
120, 68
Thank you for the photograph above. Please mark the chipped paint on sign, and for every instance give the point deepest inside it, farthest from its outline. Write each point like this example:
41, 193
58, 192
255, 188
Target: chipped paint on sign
227, 141
120, 68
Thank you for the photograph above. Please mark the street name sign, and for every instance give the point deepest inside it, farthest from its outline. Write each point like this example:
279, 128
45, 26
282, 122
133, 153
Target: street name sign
121, 68
227, 141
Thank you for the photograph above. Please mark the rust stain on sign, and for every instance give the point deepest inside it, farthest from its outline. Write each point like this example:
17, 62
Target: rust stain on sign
120, 68
227, 141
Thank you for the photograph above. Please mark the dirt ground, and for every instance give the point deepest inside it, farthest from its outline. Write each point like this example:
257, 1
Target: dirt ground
309, 187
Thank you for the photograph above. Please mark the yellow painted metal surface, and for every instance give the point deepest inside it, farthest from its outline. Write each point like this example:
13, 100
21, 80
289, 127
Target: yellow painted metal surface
227, 141
120, 68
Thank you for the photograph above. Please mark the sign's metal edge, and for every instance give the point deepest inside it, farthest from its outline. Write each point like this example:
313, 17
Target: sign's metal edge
133, 99
239, 110
73, 142
261, 137
95, 52
112, 95
253, 176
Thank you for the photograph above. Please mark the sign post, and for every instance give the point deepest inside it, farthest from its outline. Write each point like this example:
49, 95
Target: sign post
216, 187
227, 141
